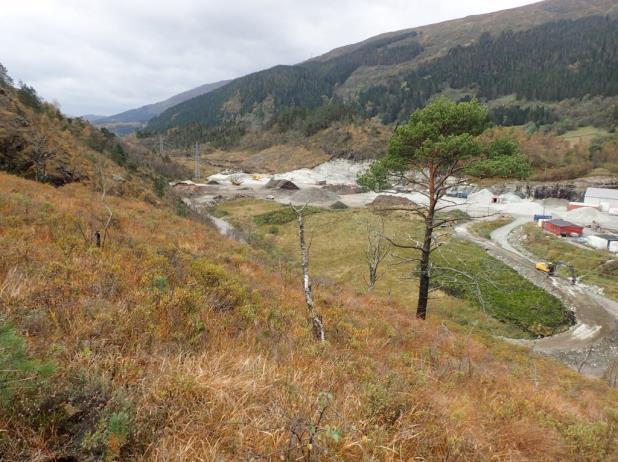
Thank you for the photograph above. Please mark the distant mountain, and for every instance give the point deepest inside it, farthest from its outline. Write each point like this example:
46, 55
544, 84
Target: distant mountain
548, 51
136, 118
93, 117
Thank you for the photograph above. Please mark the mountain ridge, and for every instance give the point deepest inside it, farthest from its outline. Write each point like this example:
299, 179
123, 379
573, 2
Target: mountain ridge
135, 118
356, 73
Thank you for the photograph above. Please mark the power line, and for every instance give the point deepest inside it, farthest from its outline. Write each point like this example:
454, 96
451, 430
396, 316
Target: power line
197, 161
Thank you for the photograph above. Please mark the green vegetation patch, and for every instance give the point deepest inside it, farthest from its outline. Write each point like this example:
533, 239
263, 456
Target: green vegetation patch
466, 271
18, 372
282, 216
486, 227
508, 304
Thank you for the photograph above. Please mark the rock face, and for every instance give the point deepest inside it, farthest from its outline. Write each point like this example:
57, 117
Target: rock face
570, 190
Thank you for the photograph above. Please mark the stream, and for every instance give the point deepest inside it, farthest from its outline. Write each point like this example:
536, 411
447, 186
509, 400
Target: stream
225, 228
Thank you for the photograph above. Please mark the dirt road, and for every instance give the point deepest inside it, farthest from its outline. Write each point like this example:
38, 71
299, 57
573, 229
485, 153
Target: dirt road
592, 343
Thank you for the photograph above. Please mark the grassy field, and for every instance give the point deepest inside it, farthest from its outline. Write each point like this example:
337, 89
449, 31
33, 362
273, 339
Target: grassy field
171, 343
584, 135
593, 266
484, 228
493, 298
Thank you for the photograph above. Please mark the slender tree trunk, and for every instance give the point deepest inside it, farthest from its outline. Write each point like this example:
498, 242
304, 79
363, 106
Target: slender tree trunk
423, 287
424, 276
317, 326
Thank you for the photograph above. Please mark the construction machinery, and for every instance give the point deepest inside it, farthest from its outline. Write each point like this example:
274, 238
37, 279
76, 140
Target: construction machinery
551, 267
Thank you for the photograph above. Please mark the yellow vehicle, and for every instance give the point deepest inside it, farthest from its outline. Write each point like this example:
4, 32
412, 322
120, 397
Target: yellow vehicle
550, 268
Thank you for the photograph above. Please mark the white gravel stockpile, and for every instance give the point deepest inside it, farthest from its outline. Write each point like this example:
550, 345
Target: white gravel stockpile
586, 215
510, 197
332, 172
241, 179
339, 171
484, 196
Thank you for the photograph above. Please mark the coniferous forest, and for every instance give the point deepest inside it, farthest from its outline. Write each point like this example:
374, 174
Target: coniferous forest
568, 59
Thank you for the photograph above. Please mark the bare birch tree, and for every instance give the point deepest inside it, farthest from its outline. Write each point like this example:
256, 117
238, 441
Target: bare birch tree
376, 252
317, 326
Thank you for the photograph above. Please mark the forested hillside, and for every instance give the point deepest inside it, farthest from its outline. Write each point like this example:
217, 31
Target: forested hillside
552, 62
541, 54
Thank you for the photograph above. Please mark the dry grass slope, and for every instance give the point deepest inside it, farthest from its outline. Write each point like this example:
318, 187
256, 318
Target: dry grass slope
171, 343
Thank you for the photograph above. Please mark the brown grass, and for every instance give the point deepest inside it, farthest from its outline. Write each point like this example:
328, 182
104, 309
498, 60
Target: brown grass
172, 343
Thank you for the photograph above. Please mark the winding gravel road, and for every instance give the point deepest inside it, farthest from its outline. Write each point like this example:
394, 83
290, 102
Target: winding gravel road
592, 343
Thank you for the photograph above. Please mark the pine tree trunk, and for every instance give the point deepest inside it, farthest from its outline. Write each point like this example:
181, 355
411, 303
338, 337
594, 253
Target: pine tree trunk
424, 276
423, 287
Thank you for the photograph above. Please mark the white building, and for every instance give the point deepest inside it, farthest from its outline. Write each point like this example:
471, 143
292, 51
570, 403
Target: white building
603, 197
603, 242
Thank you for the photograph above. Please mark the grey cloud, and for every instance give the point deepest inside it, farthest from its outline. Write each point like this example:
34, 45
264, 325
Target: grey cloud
109, 56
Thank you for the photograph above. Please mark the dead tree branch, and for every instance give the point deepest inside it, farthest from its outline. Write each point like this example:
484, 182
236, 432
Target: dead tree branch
376, 252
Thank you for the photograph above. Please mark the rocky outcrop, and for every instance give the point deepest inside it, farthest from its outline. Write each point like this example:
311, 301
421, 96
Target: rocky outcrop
31, 151
570, 190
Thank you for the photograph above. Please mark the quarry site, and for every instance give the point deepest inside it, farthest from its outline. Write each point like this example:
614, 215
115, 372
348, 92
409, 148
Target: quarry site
309, 231
588, 346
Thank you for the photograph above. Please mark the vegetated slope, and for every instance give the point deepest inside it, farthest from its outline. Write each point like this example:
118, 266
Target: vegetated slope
275, 88
500, 301
551, 62
172, 343
519, 51
37, 141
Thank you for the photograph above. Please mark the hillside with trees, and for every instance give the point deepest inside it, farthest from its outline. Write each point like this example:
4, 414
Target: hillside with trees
540, 55
552, 62
39, 142
131, 330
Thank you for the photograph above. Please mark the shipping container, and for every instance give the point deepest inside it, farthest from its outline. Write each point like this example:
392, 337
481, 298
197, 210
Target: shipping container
579, 205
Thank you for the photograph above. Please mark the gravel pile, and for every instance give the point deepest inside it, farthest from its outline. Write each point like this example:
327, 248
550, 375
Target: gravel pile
314, 195
281, 184
510, 198
484, 196
338, 206
384, 200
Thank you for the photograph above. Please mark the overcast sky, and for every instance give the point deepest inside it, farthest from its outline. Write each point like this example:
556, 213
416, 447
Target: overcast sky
107, 56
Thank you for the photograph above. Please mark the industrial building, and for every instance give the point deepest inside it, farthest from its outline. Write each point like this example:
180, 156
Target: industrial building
562, 227
603, 197
604, 242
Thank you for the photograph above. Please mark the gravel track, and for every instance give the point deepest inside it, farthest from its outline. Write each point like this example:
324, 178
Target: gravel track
592, 343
